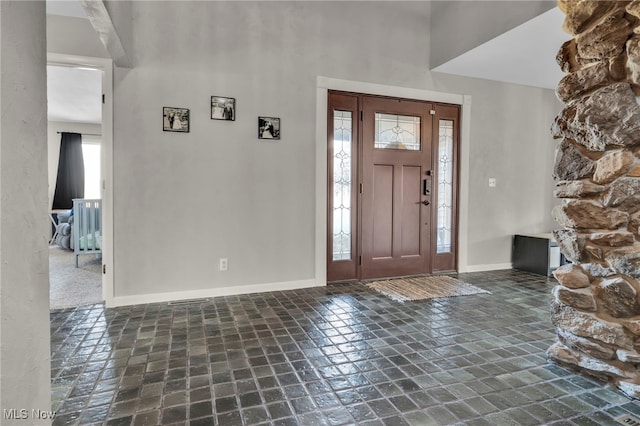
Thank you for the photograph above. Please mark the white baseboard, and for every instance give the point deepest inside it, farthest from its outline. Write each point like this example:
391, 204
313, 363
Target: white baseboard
209, 292
483, 268
140, 299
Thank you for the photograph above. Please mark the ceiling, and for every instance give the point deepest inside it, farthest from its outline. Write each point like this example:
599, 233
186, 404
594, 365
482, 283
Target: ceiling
74, 94
525, 55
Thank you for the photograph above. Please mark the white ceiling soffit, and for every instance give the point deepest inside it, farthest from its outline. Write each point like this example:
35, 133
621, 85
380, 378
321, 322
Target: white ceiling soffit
524, 55
65, 8
74, 94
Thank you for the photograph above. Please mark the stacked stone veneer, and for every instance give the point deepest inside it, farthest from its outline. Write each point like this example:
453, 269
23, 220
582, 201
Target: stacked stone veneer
596, 306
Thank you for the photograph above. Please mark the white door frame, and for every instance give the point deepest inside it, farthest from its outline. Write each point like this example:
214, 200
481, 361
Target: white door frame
323, 85
106, 66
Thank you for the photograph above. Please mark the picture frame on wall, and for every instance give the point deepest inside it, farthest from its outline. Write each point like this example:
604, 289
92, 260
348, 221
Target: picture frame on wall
269, 128
223, 108
175, 119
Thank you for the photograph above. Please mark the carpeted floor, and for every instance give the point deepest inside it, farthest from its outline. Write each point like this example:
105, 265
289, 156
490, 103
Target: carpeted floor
70, 286
419, 288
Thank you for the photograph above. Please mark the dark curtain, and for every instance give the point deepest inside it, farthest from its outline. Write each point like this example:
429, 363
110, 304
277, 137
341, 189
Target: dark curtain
70, 182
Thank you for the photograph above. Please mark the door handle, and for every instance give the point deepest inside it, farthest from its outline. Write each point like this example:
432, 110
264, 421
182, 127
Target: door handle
426, 202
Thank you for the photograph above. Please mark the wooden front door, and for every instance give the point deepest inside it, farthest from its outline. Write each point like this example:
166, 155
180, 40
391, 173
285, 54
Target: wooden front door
392, 187
396, 187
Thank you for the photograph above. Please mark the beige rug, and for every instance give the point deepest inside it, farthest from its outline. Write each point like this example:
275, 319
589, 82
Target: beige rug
70, 286
419, 288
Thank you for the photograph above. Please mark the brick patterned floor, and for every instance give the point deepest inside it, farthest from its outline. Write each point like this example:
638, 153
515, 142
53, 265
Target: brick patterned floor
334, 355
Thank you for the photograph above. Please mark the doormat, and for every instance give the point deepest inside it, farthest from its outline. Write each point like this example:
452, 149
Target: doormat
628, 420
420, 288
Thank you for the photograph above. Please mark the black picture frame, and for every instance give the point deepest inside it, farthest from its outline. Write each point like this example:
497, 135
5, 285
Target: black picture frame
223, 108
269, 128
175, 119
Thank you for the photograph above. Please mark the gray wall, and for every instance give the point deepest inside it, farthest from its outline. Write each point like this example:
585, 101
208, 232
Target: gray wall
459, 26
73, 36
182, 201
24, 288
121, 14
510, 141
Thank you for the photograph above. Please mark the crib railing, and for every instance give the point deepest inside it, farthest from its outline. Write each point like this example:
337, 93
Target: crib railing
87, 227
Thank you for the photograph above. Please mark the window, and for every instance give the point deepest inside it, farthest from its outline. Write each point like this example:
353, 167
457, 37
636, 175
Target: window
342, 142
91, 154
397, 132
445, 186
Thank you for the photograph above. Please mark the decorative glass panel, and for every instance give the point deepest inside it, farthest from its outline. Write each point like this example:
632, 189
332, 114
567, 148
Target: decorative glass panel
342, 162
445, 186
397, 132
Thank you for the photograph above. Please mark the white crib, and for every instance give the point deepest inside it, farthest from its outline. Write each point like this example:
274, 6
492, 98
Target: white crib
87, 227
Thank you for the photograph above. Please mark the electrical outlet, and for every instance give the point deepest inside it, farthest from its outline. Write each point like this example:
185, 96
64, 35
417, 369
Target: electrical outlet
492, 182
224, 264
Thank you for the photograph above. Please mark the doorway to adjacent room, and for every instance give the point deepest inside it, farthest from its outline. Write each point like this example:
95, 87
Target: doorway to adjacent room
80, 102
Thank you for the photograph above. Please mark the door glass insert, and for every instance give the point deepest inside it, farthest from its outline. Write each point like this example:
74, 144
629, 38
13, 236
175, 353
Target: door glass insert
445, 186
397, 132
342, 164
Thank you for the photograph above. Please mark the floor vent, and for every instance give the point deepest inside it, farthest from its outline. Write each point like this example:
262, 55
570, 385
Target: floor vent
187, 302
628, 420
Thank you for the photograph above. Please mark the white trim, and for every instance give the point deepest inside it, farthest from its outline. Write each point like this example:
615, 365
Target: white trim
491, 267
211, 292
324, 84
321, 184
385, 90
64, 60
106, 66
463, 197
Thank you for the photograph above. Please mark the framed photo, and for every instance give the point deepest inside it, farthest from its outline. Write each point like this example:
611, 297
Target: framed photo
175, 119
269, 128
223, 108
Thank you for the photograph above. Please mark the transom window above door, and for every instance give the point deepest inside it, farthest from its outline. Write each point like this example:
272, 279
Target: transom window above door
397, 132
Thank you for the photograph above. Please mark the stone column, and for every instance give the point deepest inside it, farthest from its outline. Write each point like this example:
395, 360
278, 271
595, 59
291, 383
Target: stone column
596, 306
25, 369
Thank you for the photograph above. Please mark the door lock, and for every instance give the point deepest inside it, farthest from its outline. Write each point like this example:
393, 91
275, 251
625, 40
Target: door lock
426, 202
426, 184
